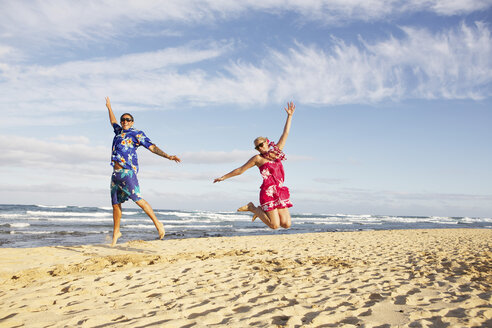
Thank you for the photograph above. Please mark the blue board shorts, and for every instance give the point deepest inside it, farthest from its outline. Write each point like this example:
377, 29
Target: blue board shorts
124, 185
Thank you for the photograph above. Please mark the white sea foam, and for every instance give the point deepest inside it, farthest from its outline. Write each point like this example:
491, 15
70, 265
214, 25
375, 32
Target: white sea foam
19, 225
140, 226
89, 214
11, 216
171, 226
52, 206
186, 221
30, 232
201, 216
253, 229
226, 217
76, 219
329, 222
474, 220
179, 214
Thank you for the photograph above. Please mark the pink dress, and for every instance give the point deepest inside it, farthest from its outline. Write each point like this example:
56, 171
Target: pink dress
273, 193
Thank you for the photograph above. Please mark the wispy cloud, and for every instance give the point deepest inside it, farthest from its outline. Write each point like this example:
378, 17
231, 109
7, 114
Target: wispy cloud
396, 202
451, 64
41, 21
63, 153
150, 79
213, 157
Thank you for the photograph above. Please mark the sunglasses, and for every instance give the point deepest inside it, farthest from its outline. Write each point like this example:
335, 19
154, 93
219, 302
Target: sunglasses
126, 119
259, 145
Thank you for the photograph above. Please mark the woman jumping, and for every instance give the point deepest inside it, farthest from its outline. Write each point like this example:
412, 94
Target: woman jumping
274, 196
124, 183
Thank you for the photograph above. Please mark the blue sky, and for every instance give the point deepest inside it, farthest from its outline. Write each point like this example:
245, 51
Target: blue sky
393, 98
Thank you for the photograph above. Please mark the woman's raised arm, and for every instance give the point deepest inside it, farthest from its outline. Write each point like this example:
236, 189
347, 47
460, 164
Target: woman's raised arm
112, 118
290, 111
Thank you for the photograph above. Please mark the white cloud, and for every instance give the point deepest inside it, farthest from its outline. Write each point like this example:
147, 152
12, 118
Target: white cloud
33, 153
145, 78
451, 64
7, 51
213, 157
77, 154
42, 20
72, 139
358, 200
453, 7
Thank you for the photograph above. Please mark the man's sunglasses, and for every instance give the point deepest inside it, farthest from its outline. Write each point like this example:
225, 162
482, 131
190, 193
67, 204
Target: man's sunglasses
126, 119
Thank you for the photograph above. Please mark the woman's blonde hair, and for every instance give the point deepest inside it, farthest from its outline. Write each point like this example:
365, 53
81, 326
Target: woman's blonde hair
259, 140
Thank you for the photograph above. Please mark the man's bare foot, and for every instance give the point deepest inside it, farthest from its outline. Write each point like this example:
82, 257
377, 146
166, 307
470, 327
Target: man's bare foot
161, 230
115, 238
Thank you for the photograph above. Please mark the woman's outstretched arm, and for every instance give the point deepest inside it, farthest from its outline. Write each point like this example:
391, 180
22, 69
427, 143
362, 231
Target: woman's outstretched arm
112, 118
240, 170
290, 111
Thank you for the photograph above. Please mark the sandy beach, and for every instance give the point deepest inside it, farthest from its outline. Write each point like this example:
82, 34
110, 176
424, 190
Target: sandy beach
400, 278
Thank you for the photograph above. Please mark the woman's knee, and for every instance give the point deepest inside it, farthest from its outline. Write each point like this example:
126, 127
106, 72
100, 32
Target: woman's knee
274, 219
284, 218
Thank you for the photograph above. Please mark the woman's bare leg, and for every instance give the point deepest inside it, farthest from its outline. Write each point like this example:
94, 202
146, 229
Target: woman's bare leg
270, 218
285, 220
116, 223
250, 207
150, 212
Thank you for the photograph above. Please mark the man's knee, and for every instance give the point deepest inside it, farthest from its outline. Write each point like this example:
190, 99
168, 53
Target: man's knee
141, 202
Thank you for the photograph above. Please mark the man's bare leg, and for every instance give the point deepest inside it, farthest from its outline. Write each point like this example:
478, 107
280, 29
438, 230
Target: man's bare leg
116, 223
150, 212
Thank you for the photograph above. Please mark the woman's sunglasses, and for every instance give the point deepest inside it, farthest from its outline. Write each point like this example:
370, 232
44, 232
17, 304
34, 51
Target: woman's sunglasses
126, 119
259, 146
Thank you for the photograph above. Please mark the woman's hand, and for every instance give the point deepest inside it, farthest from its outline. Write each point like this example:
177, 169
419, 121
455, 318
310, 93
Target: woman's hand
219, 179
290, 108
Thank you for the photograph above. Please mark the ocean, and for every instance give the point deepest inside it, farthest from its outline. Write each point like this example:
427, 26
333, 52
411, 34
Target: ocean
39, 225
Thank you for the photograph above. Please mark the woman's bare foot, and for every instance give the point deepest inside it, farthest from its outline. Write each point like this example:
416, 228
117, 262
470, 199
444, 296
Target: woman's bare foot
115, 238
249, 207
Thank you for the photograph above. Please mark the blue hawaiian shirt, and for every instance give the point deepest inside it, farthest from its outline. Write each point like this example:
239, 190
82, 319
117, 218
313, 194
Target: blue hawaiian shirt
125, 144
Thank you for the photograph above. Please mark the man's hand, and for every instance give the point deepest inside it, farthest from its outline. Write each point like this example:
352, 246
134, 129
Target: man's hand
174, 158
108, 103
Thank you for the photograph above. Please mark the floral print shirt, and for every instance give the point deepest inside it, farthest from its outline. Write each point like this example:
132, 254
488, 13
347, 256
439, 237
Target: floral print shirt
125, 144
